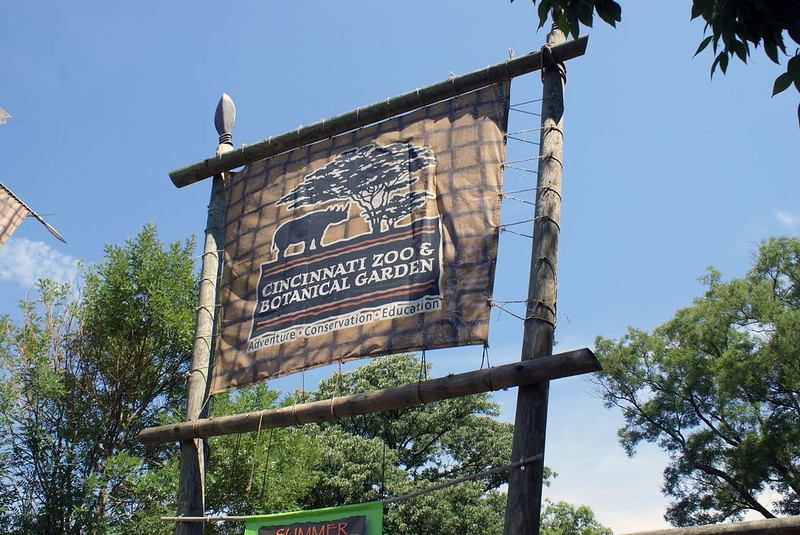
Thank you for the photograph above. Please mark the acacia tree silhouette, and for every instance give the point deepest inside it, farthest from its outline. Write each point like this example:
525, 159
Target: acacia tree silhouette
373, 177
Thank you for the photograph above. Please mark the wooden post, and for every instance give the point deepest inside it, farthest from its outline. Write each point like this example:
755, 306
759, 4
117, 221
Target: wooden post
525, 485
191, 488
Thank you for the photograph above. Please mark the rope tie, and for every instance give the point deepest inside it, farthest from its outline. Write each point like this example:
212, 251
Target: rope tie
552, 64
549, 189
485, 356
333, 410
550, 219
294, 416
488, 379
553, 128
503, 229
546, 260
551, 157
198, 370
533, 307
208, 309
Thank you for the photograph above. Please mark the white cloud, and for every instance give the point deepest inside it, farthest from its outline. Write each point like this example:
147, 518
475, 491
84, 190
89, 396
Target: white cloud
24, 262
786, 219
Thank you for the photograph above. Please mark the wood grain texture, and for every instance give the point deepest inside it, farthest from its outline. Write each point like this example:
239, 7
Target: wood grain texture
409, 395
374, 113
525, 486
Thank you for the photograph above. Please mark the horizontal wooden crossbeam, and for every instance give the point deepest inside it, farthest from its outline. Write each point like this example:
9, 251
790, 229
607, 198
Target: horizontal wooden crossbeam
400, 397
379, 111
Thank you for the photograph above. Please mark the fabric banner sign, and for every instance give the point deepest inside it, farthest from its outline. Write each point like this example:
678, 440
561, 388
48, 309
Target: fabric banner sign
373, 242
359, 519
12, 212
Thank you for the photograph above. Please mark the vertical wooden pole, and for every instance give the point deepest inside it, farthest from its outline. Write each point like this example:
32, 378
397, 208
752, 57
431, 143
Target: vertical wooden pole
525, 483
191, 488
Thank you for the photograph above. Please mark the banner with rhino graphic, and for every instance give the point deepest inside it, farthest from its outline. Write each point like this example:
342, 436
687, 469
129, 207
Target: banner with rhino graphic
373, 242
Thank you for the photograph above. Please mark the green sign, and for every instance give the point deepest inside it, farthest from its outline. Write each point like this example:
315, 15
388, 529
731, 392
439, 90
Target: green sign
359, 519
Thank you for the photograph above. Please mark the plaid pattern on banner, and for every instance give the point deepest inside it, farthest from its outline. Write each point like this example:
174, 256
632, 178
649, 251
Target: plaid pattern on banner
12, 212
373, 242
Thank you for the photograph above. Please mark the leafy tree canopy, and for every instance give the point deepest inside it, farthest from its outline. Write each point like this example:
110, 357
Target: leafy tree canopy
80, 376
382, 455
375, 456
718, 387
733, 29
562, 518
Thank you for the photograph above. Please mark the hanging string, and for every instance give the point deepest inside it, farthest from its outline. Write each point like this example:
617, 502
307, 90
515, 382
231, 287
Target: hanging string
266, 466
423, 368
301, 394
255, 453
303, 385
336, 391
383, 458
235, 463
503, 229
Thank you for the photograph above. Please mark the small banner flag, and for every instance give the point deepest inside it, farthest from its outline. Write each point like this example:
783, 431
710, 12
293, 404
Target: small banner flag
358, 519
374, 242
12, 212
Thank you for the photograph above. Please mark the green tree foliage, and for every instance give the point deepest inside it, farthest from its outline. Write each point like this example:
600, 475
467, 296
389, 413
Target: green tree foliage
80, 376
375, 456
365, 458
562, 518
382, 455
256, 473
718, 387
733, 28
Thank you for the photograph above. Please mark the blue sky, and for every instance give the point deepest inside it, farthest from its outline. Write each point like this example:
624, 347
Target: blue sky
666, 172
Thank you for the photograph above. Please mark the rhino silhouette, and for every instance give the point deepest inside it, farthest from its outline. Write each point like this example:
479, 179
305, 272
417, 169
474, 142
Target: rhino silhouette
307, 229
